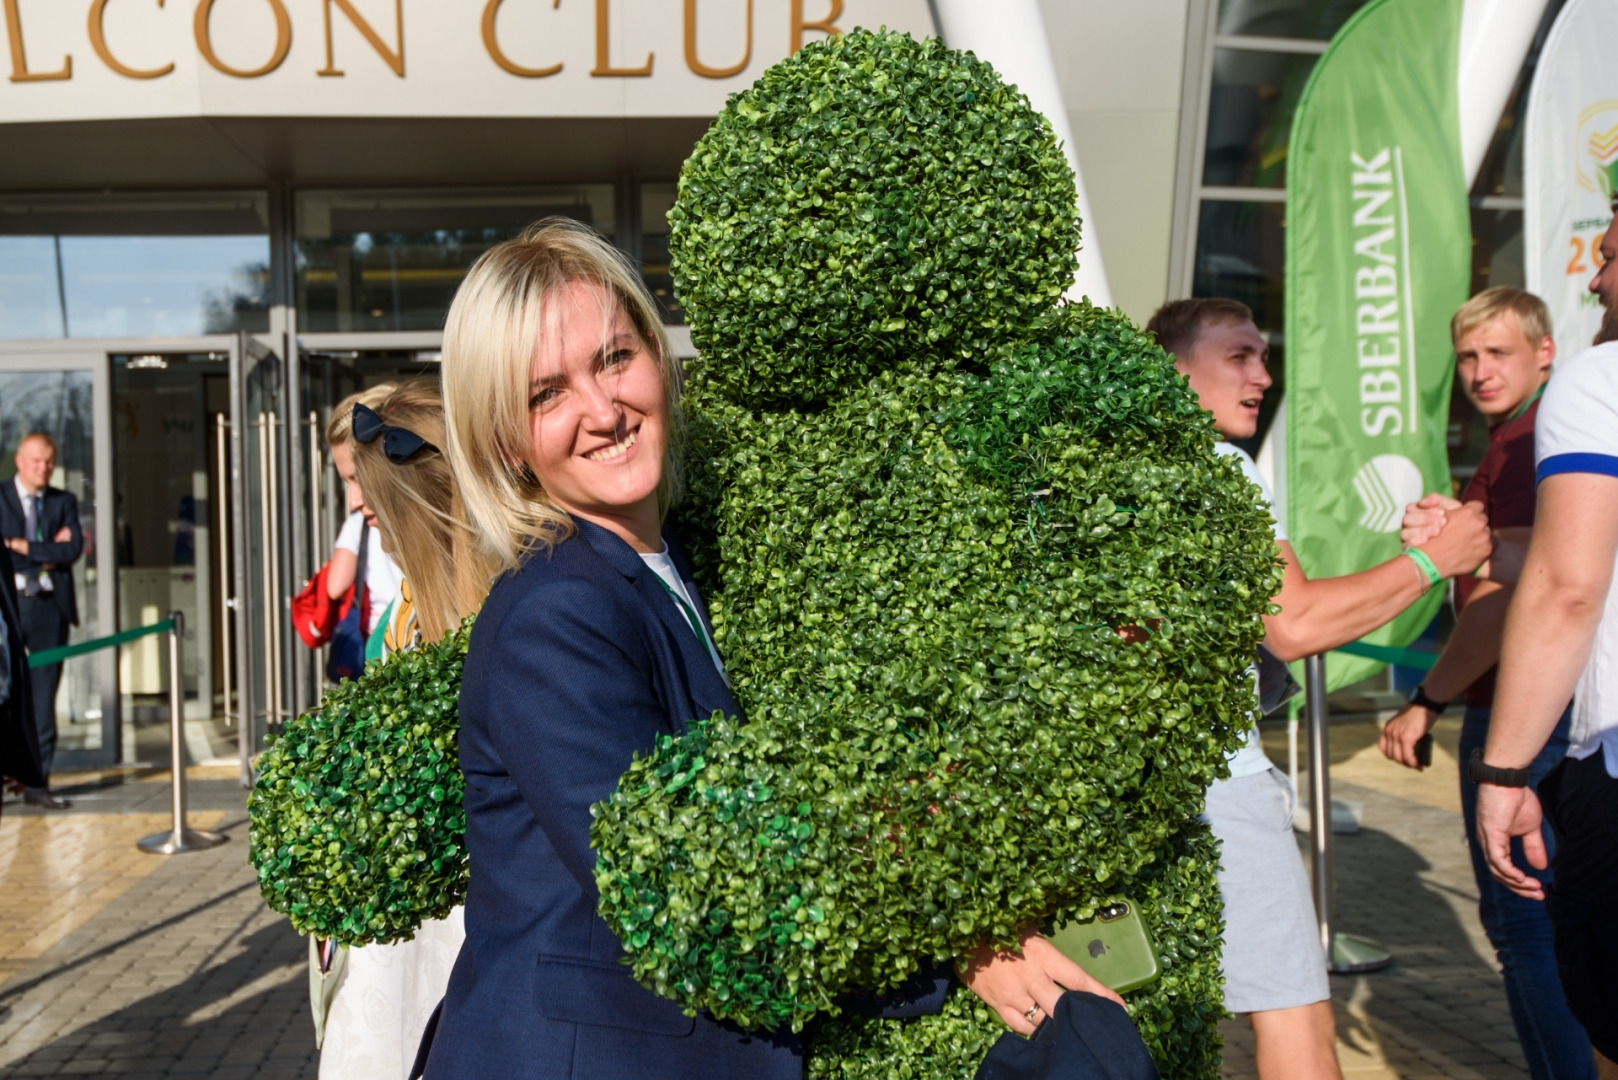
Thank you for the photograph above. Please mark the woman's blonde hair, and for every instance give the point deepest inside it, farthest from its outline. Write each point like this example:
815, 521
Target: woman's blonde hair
417, 505
502, 311
339, 429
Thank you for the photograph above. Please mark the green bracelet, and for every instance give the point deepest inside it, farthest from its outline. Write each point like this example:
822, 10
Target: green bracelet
1426, 565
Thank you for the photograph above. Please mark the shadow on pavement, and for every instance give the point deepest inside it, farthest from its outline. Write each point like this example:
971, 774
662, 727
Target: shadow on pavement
247, 1016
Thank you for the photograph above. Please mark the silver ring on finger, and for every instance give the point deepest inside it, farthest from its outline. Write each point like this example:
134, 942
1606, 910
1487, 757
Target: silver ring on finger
1033, 1011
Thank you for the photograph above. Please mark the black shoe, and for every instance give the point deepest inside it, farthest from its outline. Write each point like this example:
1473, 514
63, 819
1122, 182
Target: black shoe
43, 798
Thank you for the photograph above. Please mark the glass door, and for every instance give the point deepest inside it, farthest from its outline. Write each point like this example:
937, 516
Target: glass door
261, 569
64, 394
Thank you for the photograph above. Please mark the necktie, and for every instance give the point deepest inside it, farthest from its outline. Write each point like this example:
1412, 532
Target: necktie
32, 525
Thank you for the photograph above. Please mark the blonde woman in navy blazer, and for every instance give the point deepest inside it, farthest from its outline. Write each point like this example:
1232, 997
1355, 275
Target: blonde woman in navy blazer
562, 409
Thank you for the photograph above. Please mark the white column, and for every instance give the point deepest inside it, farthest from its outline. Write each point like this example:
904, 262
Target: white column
1010, 34
1495, 36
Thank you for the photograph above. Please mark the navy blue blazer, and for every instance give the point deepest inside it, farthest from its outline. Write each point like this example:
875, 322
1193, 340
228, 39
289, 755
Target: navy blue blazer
578, 661
57, 508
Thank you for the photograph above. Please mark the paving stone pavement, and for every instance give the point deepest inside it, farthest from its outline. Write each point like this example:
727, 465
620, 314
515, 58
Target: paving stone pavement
173, 967
184, 973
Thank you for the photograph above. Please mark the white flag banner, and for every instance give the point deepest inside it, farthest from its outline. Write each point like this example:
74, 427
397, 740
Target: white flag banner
1570, 165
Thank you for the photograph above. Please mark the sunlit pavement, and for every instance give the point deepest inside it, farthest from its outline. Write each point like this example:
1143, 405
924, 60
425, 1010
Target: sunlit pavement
121, 963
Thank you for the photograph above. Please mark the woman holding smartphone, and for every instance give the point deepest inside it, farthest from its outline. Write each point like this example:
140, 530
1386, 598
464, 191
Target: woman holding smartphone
563, 411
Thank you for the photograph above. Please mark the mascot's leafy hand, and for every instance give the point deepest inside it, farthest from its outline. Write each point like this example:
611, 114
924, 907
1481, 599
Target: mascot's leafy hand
357, 830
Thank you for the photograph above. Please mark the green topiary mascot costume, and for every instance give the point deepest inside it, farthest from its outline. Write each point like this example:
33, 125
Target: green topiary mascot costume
925, 497
986, 594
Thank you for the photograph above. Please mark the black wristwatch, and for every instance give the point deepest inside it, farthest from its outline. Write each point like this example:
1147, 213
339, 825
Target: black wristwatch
1480, 773
1418, 696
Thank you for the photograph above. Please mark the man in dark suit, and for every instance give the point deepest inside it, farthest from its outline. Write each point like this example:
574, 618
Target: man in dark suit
19, 738
40, 527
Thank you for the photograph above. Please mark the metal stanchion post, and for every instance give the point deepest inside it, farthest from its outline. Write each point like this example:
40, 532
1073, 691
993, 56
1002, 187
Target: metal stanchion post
180, 838
1345, 953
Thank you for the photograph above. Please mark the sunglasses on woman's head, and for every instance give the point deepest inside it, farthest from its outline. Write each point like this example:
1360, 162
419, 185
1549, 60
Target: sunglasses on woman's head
399, 444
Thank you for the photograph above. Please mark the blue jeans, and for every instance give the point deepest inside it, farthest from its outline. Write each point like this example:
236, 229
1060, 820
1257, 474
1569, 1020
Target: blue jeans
1520, 931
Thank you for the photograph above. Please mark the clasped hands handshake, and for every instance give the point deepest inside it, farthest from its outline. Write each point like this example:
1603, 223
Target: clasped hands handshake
1426, 525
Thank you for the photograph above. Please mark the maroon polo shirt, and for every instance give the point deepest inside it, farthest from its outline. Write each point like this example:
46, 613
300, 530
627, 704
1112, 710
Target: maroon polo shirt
1504, 484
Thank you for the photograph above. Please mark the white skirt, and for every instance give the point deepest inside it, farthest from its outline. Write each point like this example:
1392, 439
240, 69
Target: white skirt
383, 999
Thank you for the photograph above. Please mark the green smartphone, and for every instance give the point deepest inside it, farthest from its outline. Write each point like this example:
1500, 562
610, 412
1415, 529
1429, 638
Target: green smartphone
1114, 947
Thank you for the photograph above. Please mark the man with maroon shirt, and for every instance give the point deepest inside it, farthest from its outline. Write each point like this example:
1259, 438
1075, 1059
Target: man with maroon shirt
1503, 351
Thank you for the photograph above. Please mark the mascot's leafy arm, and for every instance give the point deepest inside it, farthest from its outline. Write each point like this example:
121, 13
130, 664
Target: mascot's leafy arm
356, 826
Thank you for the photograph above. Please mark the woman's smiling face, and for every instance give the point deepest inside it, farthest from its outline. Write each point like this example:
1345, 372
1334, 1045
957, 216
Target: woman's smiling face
598, 416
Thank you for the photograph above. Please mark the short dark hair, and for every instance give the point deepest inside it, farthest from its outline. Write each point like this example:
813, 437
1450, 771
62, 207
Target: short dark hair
1178, 323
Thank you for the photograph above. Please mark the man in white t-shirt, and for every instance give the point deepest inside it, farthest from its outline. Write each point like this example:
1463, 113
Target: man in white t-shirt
1561, 641
1275, 970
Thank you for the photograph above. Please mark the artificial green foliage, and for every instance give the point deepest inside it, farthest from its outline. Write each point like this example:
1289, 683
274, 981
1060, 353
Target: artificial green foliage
357, 829
986, 593
916, 590
1178, 898
869, 200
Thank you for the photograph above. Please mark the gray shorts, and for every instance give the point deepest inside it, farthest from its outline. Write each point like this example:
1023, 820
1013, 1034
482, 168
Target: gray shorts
1272, 957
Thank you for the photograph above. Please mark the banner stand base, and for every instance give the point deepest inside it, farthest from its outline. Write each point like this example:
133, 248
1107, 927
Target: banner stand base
1352, 955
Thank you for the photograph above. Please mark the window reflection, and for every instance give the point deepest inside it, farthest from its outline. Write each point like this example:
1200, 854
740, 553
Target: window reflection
1318, 19
1252, 98
133, 265
392, 260
1240, 248
656, 200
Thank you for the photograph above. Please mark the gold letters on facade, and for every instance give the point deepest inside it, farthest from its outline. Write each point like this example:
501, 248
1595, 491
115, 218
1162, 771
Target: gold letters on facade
19, 60
697, 65
491, 43
828, 25
393, 58
283, 40
98, 42
604, 49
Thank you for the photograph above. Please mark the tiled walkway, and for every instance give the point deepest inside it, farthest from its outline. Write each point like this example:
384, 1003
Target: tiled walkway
120, 963
132, 965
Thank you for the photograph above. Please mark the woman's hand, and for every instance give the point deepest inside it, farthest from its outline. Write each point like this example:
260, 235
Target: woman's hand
1024, 986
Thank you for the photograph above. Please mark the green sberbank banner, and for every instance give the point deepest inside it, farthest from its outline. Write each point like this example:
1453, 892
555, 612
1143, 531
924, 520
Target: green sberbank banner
1378, 256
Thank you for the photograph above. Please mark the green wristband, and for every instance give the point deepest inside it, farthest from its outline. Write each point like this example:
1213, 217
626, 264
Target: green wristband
1426, 565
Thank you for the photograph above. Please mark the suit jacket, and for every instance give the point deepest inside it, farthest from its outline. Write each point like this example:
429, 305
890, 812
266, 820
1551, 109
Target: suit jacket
57, 508
578, 661
19, 734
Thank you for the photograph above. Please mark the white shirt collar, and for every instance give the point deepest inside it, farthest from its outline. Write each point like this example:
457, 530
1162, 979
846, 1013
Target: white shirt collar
23, 493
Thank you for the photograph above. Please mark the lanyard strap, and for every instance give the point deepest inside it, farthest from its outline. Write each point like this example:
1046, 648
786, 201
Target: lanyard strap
690, 617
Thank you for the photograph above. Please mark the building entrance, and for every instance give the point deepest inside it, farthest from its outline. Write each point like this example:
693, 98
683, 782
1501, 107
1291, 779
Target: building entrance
178, 455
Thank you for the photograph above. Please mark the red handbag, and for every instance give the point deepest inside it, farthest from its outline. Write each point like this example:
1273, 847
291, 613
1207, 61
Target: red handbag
315, 614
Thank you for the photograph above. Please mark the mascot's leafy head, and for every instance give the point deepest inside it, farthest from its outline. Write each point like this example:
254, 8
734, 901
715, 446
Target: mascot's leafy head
871, 202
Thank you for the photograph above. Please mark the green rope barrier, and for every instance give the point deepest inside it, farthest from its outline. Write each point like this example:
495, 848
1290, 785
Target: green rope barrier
47, 657
1413, 658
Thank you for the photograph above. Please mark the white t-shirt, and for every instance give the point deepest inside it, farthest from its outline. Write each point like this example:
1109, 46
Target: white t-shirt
382, 574
663, 566
1577, 432
1250, 759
